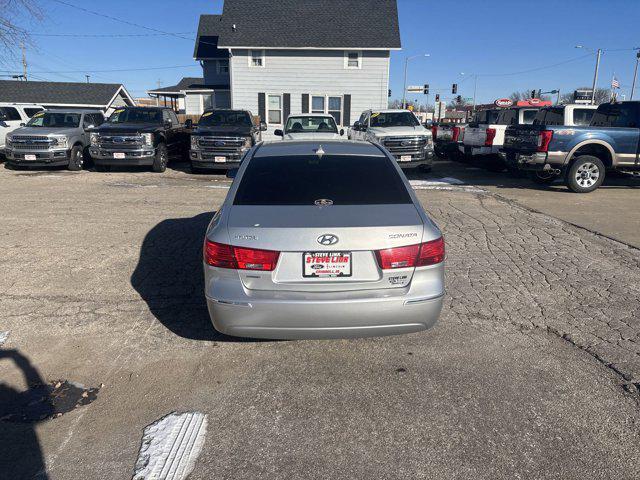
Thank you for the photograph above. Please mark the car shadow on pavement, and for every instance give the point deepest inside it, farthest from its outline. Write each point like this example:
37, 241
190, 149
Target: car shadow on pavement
170, 279
20, 412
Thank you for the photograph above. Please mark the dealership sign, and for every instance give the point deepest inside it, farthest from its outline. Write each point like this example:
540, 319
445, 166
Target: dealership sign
503, 102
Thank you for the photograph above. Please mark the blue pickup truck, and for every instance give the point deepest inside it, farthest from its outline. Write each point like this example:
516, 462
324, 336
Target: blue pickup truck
578, 154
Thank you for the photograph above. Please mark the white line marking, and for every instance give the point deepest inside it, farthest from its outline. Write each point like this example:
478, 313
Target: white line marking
437, 181
217, 186
170, 447
3, 337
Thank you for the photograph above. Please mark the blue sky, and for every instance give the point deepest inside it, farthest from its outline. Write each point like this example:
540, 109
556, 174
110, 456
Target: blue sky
493, 38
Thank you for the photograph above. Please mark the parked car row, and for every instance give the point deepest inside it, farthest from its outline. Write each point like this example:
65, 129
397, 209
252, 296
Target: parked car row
574, 143
153, 136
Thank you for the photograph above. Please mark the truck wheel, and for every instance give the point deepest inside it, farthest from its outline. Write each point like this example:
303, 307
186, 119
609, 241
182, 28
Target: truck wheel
76, 158
543, 178
162, 158
586, 174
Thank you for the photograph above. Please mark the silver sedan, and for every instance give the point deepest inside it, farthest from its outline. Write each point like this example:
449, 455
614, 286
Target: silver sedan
322, 241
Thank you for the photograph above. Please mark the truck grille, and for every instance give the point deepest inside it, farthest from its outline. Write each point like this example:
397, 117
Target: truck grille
32, 142
229, 147
120, 141
405, 145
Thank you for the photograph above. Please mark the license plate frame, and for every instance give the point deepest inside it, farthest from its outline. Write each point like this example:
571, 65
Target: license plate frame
30, 156
219, 159
310, 272
404, 158
119, 155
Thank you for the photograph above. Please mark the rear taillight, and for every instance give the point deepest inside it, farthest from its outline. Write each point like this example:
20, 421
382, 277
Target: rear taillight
455, 133
434, 132
544, 139
491, 134
239, 258
419, 255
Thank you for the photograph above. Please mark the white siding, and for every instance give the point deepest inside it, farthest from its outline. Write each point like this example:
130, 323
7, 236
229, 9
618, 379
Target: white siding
311, 72
193, 105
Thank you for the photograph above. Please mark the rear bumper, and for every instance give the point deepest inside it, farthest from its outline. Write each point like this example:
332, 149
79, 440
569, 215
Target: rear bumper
474, 151
535, 162
237, 311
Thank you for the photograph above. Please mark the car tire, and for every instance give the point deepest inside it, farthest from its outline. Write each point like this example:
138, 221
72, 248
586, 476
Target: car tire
103, 168
76, 158
586, 174
161, 159
543, 178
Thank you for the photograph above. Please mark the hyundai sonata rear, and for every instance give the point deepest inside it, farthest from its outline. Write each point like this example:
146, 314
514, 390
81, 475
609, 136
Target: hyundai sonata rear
322, 241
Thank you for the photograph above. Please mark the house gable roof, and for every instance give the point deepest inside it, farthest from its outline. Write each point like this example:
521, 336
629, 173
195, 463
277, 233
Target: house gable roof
186, 84
330, 24
60, 93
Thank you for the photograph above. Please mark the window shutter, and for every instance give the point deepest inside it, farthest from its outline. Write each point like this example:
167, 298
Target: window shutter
286, 106
262, 112
305, 103
346, 121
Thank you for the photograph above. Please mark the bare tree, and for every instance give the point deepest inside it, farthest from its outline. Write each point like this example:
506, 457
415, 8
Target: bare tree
526, 95
12, 12
602, 96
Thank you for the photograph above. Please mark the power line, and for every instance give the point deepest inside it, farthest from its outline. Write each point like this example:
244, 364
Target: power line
535, 69
104, 35
112, 70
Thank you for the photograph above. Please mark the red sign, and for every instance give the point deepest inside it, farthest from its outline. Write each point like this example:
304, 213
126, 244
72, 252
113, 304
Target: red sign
504, 102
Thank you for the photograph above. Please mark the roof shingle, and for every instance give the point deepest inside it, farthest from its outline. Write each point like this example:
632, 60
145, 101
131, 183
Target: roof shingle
63, 93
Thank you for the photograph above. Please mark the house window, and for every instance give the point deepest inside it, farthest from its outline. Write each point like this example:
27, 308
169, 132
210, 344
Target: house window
352, 60
256, 58
329, 104
223, 66
274, 109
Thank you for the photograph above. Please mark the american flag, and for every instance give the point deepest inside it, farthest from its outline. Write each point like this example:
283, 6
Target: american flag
615, 83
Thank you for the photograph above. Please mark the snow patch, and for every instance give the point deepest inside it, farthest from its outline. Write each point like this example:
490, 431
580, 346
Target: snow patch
226, 187
3, 337
171, 446
437, 182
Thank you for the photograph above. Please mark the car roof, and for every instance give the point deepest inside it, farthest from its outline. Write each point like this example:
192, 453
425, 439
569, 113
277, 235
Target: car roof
390, 110
310, 147
323, 115
73, 110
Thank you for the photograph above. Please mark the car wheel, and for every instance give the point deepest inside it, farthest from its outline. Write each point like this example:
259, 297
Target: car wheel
162, 158
76, 158
543, 178
585, 174
103, 168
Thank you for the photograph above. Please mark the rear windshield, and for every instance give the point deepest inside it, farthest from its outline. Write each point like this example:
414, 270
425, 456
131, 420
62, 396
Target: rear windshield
549, 116
304, 124
528, 116
486, 116
508, 117
302, 180
225, 118
616, 115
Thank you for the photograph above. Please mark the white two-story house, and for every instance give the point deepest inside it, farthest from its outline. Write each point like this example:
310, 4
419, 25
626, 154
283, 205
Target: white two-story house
299, 56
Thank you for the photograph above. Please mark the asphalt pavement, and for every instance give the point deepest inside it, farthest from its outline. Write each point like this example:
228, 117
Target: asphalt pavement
532, 372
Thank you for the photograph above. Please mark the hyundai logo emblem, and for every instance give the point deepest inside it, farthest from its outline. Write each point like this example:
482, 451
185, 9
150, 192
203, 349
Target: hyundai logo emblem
327, 239
219, 143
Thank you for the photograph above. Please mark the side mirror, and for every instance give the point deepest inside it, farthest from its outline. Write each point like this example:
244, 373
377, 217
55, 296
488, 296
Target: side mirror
341, 132
168, 124
188, 123
263, 127
279, 133
357, 125
232, 172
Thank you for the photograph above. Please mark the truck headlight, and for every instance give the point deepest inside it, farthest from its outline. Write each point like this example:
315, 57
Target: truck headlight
247, 143
61, 141
94, 139
194, 143
147, 138
7, 140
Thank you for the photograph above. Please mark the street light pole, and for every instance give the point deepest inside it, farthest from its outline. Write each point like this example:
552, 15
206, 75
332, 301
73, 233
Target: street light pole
595, 77
635, 75
406, 65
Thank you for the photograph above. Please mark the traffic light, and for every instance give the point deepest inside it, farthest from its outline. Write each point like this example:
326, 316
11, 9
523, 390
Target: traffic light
533, 94
437, 97
459, 99
389, 93
426, 89
454, 88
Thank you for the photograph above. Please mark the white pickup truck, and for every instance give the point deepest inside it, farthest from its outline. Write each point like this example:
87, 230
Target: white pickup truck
13, 116
484, 137
400, 132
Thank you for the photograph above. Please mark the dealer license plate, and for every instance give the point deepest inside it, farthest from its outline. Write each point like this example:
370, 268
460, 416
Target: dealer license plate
220, 159
30, 157
119, 155
405, 158
326, 264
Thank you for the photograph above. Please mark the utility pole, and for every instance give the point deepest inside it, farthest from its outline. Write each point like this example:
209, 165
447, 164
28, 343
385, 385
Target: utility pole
24, 62
635, 75
475, 89
406, 65
158, 96
595, 77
